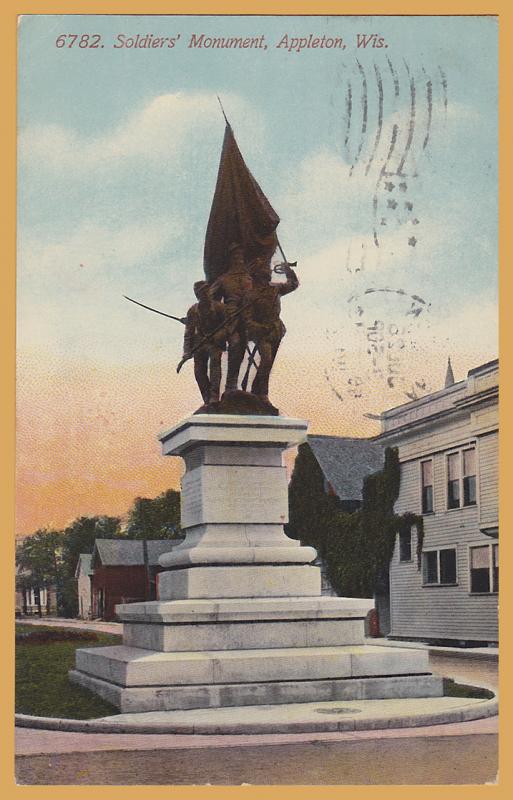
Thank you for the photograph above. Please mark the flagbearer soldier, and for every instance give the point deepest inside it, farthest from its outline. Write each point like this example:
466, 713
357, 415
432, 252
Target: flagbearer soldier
204, 323
264, 326
233, 287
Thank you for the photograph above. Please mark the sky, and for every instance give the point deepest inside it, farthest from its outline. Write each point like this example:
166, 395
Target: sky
381, 162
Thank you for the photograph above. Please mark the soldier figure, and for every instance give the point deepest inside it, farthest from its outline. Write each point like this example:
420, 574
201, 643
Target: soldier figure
264, 326
233, 287
203, 318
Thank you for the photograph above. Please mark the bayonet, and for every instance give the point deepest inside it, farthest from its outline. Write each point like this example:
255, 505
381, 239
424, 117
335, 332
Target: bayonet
183, 320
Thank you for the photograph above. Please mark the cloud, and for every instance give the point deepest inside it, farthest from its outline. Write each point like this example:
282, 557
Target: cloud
333, 191
95, 248
322, 209
156, 132
470, 328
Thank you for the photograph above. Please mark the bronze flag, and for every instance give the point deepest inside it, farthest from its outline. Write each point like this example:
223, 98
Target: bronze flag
240, 213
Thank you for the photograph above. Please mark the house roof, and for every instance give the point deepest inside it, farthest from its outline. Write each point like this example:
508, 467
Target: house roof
480, 386
346, 461
130, 552
84, 564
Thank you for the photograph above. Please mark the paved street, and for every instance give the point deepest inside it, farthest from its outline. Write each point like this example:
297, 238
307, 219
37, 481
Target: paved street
419, 760
464, 753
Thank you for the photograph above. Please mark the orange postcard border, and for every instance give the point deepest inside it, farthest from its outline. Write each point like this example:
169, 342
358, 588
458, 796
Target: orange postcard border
10, 10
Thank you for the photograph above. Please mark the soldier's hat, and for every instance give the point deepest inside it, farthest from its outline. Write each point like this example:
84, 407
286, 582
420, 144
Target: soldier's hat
199, 286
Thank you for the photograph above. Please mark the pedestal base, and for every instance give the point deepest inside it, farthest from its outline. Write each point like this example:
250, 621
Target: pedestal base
240, 620
208, 654
179, 697
240, 581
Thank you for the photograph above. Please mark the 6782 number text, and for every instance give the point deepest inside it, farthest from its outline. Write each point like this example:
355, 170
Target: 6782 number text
80, 40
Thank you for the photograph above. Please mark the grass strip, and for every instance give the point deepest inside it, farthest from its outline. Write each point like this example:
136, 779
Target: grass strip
43, 687
453, 689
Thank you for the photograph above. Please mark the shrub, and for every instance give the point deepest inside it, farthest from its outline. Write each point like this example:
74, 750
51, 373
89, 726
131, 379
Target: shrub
47, 636
357, 547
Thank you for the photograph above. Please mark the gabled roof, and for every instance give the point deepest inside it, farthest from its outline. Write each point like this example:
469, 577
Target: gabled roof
158, 546
84, 564
346, 461
130, 552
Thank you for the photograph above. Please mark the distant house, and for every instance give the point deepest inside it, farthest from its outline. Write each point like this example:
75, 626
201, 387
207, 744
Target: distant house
344, 462
124, 571
448, 450
30, 601
83, 575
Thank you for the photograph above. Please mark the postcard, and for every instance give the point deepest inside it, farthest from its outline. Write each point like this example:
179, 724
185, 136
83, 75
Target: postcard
257, 400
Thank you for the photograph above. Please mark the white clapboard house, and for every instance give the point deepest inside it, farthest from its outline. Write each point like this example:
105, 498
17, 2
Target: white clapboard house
448, 450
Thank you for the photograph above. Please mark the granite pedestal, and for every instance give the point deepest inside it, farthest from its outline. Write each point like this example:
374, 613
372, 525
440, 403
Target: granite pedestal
240, 619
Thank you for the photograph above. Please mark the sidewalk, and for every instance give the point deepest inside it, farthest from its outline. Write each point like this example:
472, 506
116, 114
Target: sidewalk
475, 652
81, 624
30, 741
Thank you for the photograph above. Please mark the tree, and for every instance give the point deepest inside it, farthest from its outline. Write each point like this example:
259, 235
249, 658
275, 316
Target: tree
311, 509
157, 518
39, 563
80, 535
357, 547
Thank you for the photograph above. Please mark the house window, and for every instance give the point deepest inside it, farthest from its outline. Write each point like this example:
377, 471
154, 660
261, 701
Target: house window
469, 477
495, 567
405, 546
430, 567
461, 478
453, 480
426, 468
484, 569
439, 567
448, 566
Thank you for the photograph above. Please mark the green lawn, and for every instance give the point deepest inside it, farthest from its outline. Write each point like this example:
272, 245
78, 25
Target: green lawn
42, 684
453, 689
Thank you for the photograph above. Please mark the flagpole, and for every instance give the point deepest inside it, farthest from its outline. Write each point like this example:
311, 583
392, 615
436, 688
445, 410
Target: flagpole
222, 109
280, 248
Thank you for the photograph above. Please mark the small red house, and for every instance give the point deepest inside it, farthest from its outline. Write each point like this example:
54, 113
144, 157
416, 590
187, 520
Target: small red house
124, 571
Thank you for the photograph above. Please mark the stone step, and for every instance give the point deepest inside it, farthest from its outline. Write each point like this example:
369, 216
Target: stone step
223, 555
169, 698
130, 666
257, 580
256, 609
244, 635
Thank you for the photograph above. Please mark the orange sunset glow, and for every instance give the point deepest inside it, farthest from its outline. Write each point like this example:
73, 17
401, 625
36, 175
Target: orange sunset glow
87, 434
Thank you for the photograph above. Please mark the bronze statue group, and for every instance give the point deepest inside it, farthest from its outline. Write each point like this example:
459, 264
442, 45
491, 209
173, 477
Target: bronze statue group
239, 309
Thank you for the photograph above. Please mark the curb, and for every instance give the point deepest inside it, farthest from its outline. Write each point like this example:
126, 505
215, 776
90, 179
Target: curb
481, 656
488, 708
481, 653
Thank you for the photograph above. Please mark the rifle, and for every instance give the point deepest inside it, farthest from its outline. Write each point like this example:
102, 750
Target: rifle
209, 336
183, 320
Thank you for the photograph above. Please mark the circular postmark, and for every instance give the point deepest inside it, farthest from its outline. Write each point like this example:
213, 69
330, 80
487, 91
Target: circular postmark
376, 352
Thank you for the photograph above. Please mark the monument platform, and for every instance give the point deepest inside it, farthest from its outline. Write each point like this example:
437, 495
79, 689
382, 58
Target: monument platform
240, 620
